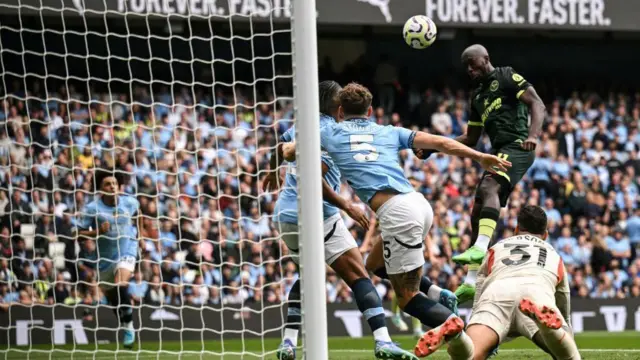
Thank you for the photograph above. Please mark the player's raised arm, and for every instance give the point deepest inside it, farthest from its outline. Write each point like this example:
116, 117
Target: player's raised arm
448, 146
271, 181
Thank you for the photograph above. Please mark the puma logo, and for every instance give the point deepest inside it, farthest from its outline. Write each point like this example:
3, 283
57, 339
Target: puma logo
383, 5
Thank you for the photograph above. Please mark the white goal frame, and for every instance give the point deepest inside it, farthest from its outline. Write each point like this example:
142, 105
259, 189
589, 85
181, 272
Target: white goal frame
312, 266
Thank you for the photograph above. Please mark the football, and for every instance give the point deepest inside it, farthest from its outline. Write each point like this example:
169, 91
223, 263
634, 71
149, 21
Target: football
419, 32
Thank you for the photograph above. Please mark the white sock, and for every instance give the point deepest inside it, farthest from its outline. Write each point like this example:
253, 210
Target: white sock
129, 325
461, 347
291, 335
434, 293
382, 334
482, 242
472, 275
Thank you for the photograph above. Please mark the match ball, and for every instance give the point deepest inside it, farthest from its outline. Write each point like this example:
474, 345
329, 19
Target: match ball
419, 32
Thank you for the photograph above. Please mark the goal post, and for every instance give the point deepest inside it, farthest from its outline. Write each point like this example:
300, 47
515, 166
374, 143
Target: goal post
184, 99
312, 266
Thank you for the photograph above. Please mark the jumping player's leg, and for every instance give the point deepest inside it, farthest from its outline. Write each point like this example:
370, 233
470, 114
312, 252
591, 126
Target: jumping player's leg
404, 222
375, 264
349, 266
552, 329
287, 348
446, 326
485, 215
117, 293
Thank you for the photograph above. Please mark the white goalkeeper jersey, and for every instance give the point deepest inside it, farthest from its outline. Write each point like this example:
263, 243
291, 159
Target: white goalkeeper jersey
523, 256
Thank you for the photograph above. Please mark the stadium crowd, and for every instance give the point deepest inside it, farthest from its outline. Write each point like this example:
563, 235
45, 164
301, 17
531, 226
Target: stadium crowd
207, 235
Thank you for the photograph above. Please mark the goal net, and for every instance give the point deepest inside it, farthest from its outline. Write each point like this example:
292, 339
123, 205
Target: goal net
184, 100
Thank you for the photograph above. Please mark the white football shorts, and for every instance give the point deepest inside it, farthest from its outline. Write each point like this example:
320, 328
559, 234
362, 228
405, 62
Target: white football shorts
107, 276
337, 238
404, 221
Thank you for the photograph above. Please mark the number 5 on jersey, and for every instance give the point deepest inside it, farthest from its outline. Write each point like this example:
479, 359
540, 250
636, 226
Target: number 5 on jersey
363, 143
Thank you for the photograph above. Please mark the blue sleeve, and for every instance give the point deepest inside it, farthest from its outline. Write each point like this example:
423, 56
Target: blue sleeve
325, 135
134, 204
405, 137
87, 218
327, 160
289, 135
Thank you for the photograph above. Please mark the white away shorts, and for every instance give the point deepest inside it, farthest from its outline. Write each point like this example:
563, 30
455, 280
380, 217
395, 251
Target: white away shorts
337, 238
107, 276
404, 221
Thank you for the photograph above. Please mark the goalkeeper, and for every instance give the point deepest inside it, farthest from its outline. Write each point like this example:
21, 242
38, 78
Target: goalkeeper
340, 248
109, 219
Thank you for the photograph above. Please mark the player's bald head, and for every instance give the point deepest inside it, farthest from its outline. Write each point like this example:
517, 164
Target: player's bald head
475, 59
474, 51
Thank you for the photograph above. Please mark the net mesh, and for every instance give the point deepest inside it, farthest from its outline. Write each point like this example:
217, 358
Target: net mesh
186, 108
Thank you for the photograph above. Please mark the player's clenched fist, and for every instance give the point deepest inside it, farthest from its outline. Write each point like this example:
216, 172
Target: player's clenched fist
104, 227
423, 154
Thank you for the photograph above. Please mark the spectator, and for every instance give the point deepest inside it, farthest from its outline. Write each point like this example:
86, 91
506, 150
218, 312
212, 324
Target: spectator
59, 292
619, 246
441, 121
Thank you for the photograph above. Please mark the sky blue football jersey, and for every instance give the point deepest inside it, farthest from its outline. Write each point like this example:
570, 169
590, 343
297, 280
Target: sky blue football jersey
367, 155
286, 209
121, 240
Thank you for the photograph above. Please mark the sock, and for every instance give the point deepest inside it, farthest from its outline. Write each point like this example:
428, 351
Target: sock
294, 315
428, 288
487, 225
416, 324
291, 335
371, 308
382, 334
114, 299
125, 310
461, 347
560, 343
429, 312
395, 308
472, 274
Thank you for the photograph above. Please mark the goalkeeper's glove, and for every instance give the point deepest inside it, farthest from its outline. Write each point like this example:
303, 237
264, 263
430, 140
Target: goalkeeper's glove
423, 154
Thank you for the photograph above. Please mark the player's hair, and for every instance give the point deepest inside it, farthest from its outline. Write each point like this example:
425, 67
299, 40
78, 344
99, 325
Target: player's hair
355, 99
100, 175
328, 91
533, 220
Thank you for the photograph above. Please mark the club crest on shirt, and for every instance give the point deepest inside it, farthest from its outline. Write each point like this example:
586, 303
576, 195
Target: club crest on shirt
494, 85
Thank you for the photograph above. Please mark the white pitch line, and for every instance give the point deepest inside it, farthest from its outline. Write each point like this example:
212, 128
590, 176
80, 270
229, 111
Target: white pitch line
500, 351
192, 355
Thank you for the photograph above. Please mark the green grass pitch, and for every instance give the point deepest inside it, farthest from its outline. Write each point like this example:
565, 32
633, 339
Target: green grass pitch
593, 346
